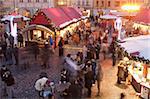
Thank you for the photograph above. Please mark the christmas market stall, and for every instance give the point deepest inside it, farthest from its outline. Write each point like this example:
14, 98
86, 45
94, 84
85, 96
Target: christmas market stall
142, 21
136, 60
57, 21
13, 23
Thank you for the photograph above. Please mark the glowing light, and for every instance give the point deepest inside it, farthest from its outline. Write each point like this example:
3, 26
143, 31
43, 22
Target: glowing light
131, 7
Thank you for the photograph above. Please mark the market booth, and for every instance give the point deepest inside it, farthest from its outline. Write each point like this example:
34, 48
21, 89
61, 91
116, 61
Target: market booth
57, 20
142, 21
14, 22
137, 50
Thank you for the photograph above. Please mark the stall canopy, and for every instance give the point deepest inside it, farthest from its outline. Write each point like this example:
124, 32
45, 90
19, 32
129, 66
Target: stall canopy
71, 12
58, 16
138, 45
15, 15
108, 16
143, 17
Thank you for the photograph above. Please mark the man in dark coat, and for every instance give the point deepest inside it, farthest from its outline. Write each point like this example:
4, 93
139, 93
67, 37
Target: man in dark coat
3, 70
16, 54
74, 90
11, 40
89, 80
4, 48
61, 49
9, 53
10, 81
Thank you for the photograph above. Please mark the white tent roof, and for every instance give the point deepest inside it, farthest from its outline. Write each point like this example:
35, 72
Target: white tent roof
123, 14
8, 17
107, 16
139, 44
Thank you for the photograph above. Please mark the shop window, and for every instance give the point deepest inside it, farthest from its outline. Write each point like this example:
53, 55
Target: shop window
87, 3
117, 3
109, 3
102, 4
83, 3
97, 3
21, 1
45, 1
37, 0
78, 2
29, 0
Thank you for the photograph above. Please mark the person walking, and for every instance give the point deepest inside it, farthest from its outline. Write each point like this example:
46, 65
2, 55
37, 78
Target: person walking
4, 48
3, 70
99, 77
9, 53
35, 50
11, 40
97, 50
39, 86
45, 56
10, 81
16, 54
74, 90
61, 49
89, 80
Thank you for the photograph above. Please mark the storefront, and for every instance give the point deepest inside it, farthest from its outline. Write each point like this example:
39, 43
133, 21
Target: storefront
137, 62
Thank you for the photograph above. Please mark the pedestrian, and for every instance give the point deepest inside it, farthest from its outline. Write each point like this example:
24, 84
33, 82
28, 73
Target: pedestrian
4, 48
20, 39
16, 54
11, 40
89, 80
51, 41
3, 70
39, 86
74, 90
9, 53
10, 81
113, 51
35, 50
99, 77
122, 96
97, 50
61, 49
113, 58
45, 56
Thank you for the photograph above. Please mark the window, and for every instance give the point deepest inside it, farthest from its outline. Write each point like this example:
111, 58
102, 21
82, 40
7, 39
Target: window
109, 3
87, 3
117, 3
97, 3
102, 4
78, 2
21, 1
83, 3
29, 0
37, 0
45, 1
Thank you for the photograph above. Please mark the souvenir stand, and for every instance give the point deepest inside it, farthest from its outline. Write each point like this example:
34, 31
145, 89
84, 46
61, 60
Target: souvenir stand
136, 49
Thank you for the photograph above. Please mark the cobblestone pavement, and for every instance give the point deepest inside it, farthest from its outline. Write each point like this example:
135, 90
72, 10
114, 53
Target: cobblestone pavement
25, 78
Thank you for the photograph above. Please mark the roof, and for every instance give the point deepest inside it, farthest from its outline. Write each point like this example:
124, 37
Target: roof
143, 16
58, 16
71, 12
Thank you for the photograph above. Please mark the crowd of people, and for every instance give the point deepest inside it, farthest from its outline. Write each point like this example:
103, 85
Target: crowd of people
86, 64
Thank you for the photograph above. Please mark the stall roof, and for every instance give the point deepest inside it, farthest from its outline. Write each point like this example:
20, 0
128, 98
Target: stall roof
50, 15
71, 12
143, 16
58, 16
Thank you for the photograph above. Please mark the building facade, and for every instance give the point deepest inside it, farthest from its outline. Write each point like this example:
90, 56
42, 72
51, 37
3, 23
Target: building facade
31, 5
116, 4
